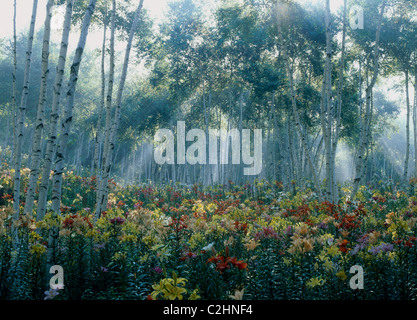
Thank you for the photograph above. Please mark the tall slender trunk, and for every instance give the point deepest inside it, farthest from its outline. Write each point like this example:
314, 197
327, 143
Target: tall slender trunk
294, 107
290, 149
271, 140
65, 129
109, 98
14, 116
109, 157
339, 105
173, 167
240, 166
102, 101
54, 116
360, 117
67, 121
415, 119
407, 126
328, 111
21, 114
216, 169
206, 120
78, 159
39, 124
363, 145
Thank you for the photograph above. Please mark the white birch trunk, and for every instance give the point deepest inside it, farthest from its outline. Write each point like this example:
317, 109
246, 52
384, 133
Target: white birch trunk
109, 157
407, 126
39, 124
415, 120
109, 96
339, 105
21, 114
67, 121
54, 116
329, 105
14, 81
109, 99
364, 143
295, 109
101, 107
206, 120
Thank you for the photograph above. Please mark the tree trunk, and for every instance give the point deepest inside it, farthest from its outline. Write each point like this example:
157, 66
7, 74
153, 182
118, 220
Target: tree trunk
293, 175
329, 105
415, 120
67, 121
366, 125
407, 127
295, 109
109, 161
54, 116
102, 101
206, 121
339, 106
14, 82
21, 115
39, 124
109, 98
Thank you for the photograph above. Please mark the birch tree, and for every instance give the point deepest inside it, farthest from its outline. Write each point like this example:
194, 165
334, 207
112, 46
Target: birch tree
364, 140
55, 110
331, 119
102, 96
415, 114
339, 101
328, 111
294, 103
13, 106
103, 191
14, 78
39, 124
21, 114
67, 121
108, 104
407, 125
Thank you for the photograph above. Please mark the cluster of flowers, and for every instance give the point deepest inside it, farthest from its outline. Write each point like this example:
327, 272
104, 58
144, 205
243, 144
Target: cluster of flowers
223, 241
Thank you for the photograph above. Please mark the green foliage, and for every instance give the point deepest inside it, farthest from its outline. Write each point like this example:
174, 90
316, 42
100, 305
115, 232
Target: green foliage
220, 242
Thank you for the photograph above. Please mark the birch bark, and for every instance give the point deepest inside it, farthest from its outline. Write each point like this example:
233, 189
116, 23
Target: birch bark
67, 121
14, 80
407, 126
364, 143
104, 188
415, 120
54, 116
109, 98
40, 116
294, 107
339, 104
21, 115
327, 113
96, 164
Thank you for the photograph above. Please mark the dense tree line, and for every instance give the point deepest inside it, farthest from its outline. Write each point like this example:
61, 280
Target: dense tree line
300, 73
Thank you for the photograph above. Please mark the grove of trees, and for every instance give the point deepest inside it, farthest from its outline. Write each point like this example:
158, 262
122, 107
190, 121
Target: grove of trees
298, 71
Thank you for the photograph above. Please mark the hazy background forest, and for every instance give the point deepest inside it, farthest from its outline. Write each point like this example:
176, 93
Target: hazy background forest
86, 84
219, 64
223, 56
